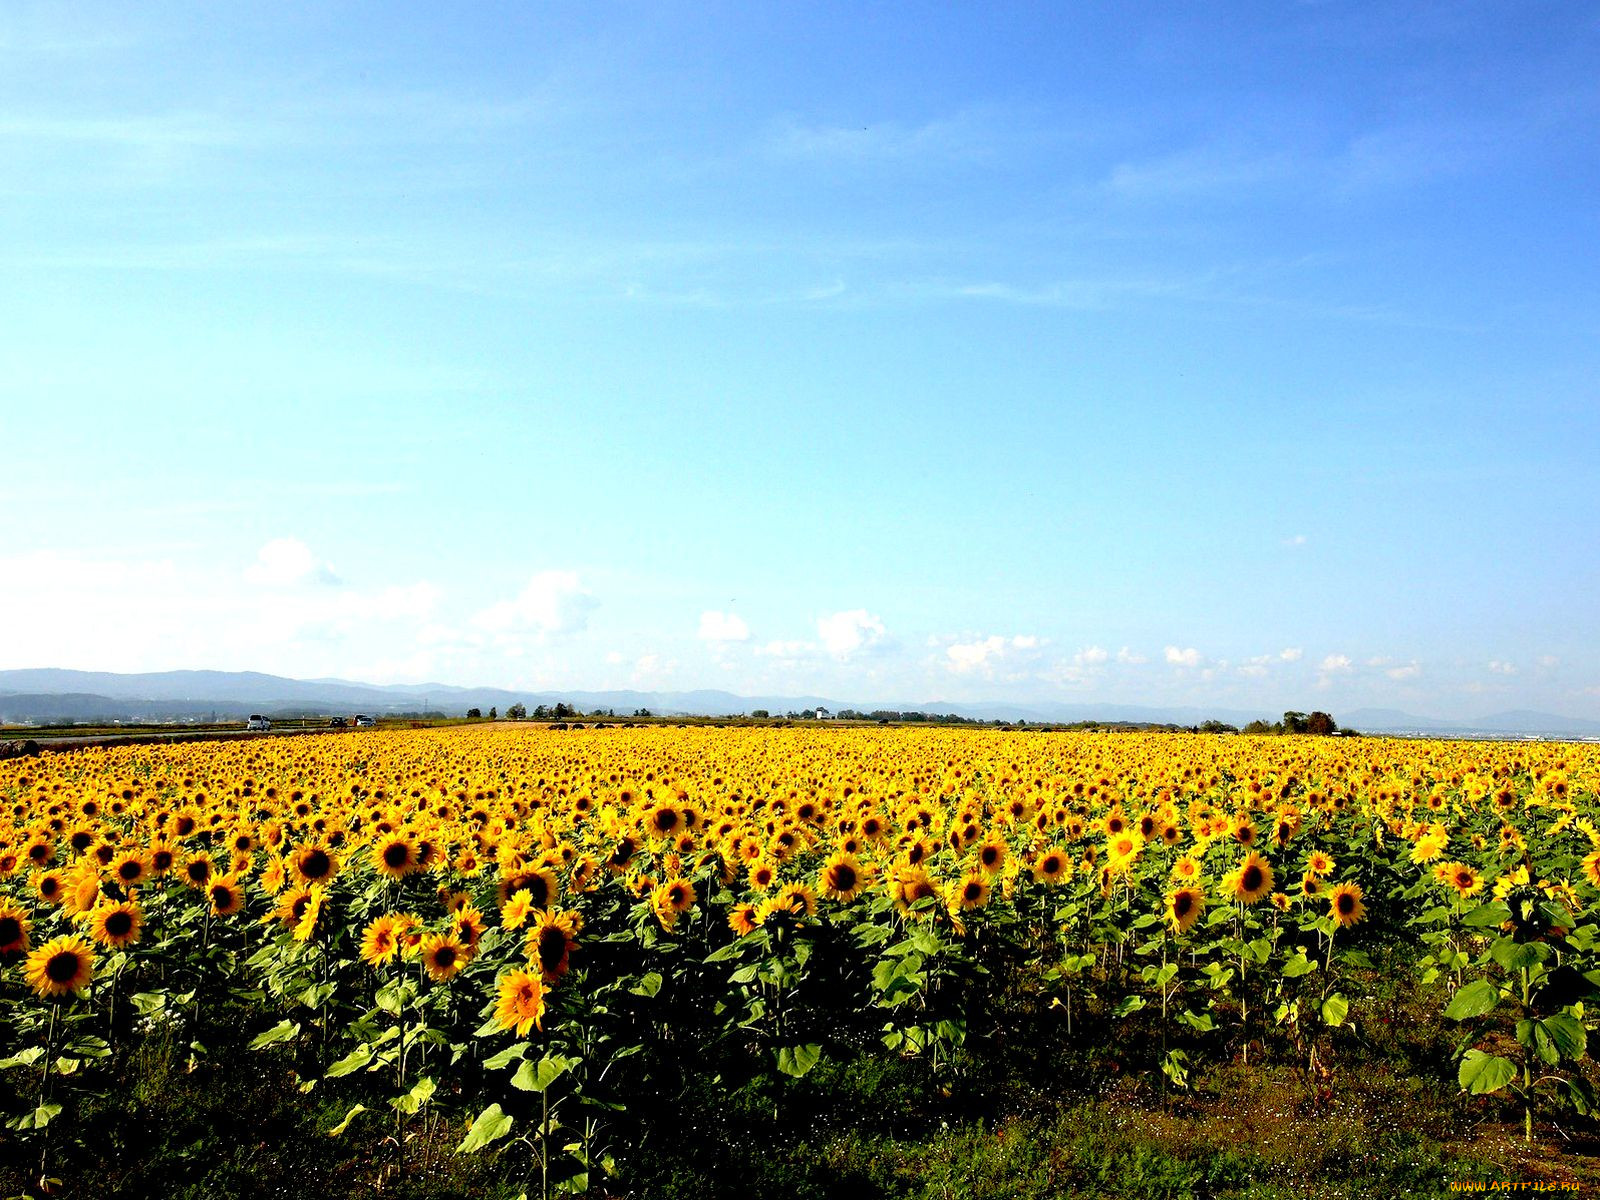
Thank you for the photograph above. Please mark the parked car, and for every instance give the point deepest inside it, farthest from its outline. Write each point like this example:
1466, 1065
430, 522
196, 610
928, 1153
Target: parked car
257, 723
364, 722
337, 722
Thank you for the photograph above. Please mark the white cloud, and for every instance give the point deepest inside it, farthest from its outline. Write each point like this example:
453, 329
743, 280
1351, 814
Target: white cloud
974, 656
1547, 661
1336, 662
413, 600
1298, 539
77, 609
1409, 671
286, 562
1086, 666
1257, 666
553, 602
985, 655
1500, 667
1183, 658
846, 634
723, 627
1126, 655
651, 669
779, 649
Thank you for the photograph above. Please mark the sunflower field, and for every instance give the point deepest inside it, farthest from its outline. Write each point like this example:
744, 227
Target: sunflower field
531, 939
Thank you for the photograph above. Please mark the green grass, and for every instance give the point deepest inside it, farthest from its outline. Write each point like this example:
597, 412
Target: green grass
238, 1126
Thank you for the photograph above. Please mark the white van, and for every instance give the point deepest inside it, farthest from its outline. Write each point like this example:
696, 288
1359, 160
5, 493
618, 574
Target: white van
257, 723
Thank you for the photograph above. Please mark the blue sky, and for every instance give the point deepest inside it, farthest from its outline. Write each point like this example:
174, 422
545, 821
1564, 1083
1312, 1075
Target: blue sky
1237, 354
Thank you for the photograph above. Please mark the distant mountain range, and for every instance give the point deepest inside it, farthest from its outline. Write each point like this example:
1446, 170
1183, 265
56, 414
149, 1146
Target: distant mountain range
48, 695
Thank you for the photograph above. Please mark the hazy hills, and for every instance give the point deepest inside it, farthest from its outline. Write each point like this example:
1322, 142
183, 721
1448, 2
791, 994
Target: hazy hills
49, 694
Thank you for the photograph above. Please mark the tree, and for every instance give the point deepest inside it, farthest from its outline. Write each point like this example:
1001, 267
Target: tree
517, 712
1257, 727
474, 712
1294, 722
760, 714
494, 714
1322, 724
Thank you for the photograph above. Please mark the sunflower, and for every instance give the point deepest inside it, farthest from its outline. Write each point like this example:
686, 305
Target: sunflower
550, 943
227, 897
81, 892
1186, 869
516, 909
1319, 863
539, 883
742, 919
1428, 848
778, 904
394, 856
14, 930
197, 871
584, 870
1310, 885
1051, 866
992, 855
519, 1002
971, 892
1184, 906
1344, 904
292, 905
60, 966
1466, 881
41, 851
1122, 850
1591, 868
314, 863
51, 886
622, 853
116, 924
763, 874
306, 927
676, 895
275, 877
469, 926
380, 941
664, 820
1251, 882
843, 878
801, 895
443, 956
909, 886
130, 869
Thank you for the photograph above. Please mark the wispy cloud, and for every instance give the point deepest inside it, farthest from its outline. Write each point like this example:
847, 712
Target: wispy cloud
967, 135
1198, 170
1082, 294
148, 132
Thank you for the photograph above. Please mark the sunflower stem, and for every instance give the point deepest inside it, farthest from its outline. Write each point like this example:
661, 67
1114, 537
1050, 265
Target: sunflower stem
44, 1088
